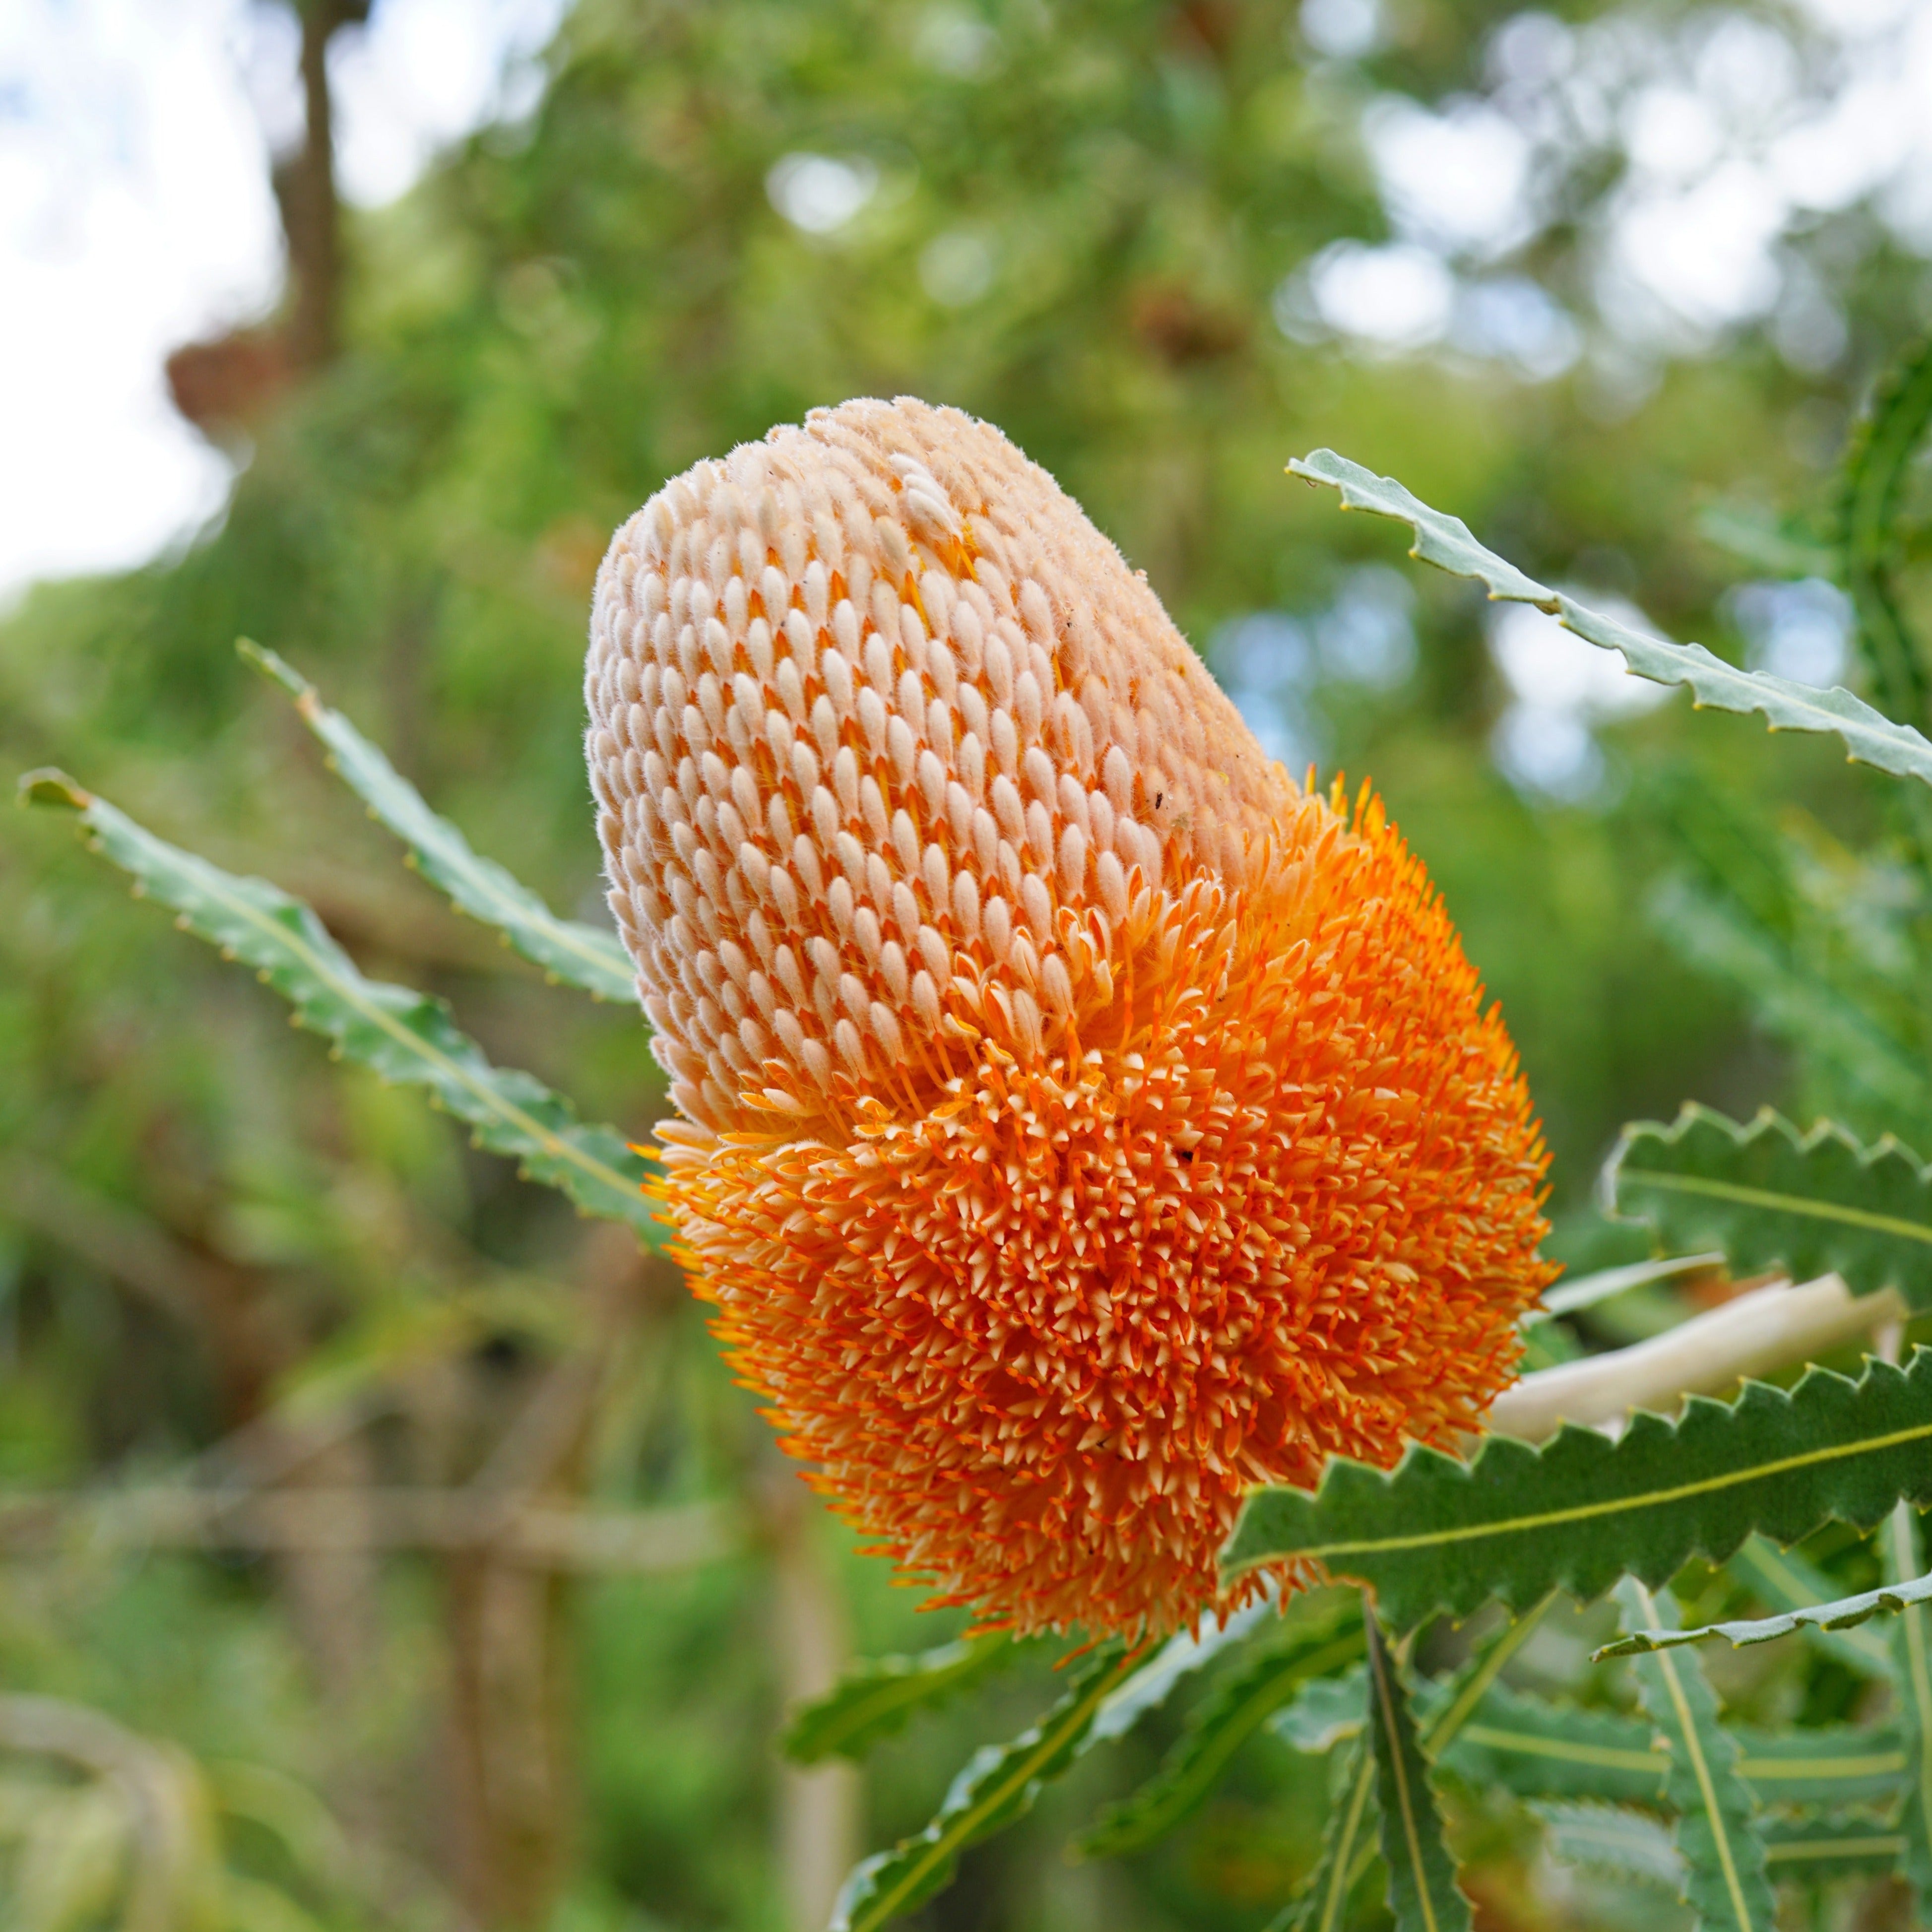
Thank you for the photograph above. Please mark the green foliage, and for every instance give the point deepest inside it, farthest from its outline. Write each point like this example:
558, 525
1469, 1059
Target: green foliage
1912, 1665
1769, 1196
1606, 1837
997, 1785
580, 955
1422, 1893
1217, 1728
1869, 737
1323, 1903
405, 1037
1536, 1749
1725, 1876
883, 1695
1872, 479
1889, 1598
1437, 1535
1787, 1580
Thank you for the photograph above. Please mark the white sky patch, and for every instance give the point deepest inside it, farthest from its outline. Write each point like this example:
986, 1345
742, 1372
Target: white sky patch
1561, 688
1457, 180
135, 215
819, 194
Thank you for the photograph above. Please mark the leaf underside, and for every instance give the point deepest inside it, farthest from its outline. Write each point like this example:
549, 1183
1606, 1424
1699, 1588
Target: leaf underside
1869, 737
407, 1037
580, 956
1726, 1878
1769, 1196
1435, 1534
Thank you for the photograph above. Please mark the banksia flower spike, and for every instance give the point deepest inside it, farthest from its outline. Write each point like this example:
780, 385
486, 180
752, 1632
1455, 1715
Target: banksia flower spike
1081, 1123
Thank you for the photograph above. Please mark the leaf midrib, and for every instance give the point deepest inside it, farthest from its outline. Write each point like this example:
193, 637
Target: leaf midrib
1801, 1206
1611, 1506
215, 887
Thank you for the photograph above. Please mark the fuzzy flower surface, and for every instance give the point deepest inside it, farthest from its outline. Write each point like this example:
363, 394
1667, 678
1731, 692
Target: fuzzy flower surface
1080, 1123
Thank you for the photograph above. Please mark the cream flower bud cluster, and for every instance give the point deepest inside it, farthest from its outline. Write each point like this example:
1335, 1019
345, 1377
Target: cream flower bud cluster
887, 741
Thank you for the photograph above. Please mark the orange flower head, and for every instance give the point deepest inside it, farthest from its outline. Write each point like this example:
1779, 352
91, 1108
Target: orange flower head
1080, 1123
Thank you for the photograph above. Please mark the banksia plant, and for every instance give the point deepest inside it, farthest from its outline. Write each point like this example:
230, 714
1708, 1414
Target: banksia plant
1080, 1123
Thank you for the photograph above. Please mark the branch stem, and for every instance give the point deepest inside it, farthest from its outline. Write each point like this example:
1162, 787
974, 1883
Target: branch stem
1771, 1328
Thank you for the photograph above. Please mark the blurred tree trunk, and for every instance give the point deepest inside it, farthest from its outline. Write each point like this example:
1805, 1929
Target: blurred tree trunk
223, 385
304, 187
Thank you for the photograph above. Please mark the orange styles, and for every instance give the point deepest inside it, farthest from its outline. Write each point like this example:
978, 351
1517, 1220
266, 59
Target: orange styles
1080, 1123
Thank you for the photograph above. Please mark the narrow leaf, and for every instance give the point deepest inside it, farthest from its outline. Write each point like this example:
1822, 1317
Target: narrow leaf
1534, 1748
1877, 462
1810, 1009
1912, 1654
1784, 1580
1868, 736
1347, 1846
998, 1785
1770, 1196
1888, 1598
1818, 1850
1217, 1728
1185, 1652
1820, 1766
881, 1696
1422, 1893
1626, 1844
580, 954
1437, 1534
405, 1037
1725, 1881
1585, 1291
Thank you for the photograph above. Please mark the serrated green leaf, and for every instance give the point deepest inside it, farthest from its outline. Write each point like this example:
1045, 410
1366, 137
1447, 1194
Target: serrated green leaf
1787, 1581
1607, 1838
1806, 1008
1822, 1849
998, 1785
1871, 488
1537, 1749
881, 1696
1435, 1534
580, 954
1912, 1656
1347, 1845
407, 1037
1423, 1893
1349, 1850
1224, 1720
1726, 1881
1868, 736
1769, 1196
1887, 1599
1820, 1766
1627, 1844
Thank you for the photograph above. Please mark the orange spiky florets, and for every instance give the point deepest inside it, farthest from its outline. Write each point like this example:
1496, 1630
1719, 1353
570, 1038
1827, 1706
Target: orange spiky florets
1081, 1123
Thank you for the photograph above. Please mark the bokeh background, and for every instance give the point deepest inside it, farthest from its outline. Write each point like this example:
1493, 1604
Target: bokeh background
356, 329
